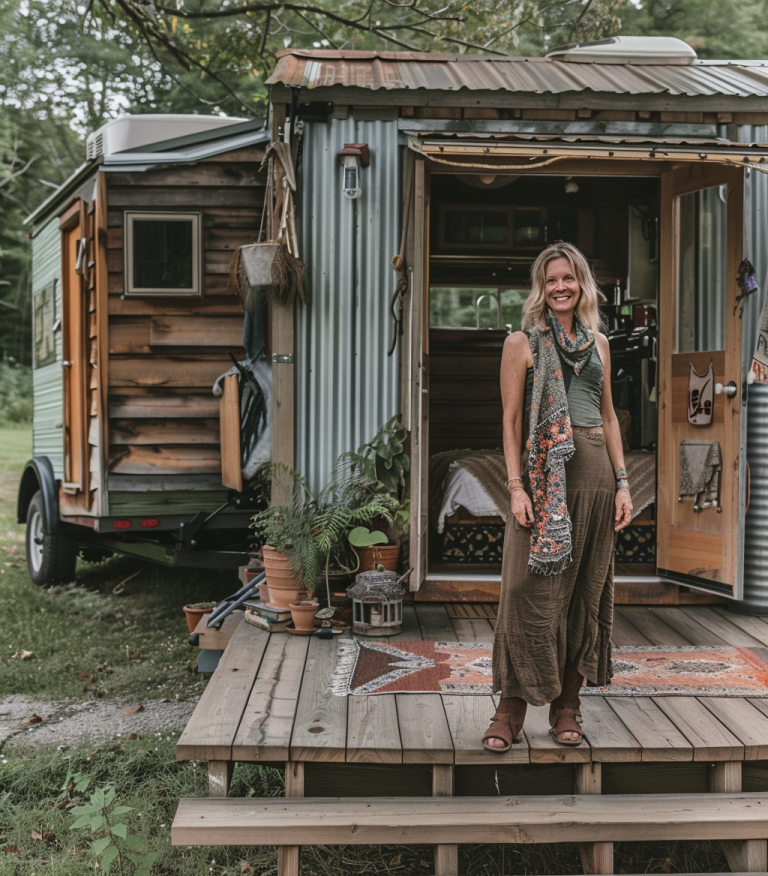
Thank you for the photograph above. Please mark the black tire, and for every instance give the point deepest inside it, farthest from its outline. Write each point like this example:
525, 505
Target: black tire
51, 556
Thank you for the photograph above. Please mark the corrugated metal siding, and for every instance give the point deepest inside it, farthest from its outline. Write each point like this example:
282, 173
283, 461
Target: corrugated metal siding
393, 71
48, 386
755, 241
346, 385
755, 543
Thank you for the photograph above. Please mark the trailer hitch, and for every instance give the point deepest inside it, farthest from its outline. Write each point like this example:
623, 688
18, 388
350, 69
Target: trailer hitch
189, 529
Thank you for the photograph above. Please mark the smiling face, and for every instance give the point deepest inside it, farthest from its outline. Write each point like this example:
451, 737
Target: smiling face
561, 288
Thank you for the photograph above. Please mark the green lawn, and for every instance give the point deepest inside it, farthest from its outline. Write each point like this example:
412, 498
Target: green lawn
119, 631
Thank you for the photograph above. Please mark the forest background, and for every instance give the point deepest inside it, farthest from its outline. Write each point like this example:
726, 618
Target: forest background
68, 66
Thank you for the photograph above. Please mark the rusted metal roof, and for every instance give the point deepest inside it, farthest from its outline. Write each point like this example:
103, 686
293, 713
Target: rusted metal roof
396, 71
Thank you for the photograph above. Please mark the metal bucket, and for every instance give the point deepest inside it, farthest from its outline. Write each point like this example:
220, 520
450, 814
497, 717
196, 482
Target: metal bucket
755, 542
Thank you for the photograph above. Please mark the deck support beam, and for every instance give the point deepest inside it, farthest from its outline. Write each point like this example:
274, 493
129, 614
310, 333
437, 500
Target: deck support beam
446, 856
219, 777
743, 856
595, 857
288, 856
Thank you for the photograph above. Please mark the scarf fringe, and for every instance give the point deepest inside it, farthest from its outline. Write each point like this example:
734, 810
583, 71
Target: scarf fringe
549, 568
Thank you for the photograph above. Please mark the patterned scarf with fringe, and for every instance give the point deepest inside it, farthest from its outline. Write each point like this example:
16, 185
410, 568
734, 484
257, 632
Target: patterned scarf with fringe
552, 446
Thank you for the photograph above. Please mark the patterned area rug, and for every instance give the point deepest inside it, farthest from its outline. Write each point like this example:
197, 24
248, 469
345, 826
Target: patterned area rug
368, 667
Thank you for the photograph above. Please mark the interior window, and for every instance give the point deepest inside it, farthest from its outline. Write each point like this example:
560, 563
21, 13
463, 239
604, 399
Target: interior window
476, 308
702, 277
162, 253
45, 316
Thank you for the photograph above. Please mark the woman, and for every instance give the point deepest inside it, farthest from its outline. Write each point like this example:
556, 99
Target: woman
568, 492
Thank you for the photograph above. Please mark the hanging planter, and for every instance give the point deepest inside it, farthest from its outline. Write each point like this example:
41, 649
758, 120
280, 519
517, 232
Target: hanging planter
257, 260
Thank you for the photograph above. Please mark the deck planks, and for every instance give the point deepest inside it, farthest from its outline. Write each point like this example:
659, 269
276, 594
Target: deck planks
687, 627
746, 722
373, 732
473, 629
608, 737
435, 622
659, 738
468, 719
652, 627
424, 730
710, 739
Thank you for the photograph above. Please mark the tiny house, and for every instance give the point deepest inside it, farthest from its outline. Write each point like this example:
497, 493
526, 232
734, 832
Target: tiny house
134, 321
426, 184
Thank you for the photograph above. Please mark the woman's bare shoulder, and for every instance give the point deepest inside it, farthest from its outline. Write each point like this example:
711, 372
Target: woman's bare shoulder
517, 346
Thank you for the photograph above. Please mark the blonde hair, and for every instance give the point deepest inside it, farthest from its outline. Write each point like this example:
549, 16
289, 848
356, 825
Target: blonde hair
587, 310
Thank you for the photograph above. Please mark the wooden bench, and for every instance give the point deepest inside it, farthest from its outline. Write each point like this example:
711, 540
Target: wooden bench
427, 820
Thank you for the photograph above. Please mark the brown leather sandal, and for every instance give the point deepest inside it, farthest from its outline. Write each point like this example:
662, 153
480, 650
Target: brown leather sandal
502, 728
570, 725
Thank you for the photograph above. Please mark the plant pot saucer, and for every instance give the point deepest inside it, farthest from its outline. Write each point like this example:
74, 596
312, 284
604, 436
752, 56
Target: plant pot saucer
290, 628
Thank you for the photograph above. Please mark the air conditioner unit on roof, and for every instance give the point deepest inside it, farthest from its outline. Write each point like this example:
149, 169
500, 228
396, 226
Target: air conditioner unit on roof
626, 50
132, 132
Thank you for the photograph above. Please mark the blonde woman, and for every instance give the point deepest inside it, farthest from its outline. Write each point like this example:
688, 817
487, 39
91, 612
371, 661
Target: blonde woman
569, 494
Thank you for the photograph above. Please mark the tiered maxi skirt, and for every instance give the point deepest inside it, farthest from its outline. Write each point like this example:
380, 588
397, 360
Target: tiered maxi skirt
542, 620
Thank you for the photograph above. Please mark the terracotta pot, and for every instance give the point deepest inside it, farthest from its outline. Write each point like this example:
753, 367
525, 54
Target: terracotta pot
264, 593
387, 555
250, 574
281, 581
194, 615
304, 615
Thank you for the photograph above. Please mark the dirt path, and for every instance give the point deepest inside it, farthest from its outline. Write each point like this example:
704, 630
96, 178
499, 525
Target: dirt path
73, 722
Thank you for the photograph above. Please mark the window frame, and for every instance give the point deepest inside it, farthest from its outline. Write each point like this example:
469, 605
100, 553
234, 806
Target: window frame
196, 217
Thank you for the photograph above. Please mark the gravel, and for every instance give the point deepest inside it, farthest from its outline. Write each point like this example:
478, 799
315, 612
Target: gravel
71, 722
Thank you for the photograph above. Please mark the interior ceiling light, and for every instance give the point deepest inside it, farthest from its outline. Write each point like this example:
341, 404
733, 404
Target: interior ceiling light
571, 186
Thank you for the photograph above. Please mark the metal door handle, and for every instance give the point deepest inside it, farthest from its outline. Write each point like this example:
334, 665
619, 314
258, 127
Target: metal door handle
66, 364
730, 389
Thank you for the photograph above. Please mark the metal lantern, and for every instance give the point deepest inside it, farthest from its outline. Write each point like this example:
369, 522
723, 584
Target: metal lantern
377, 603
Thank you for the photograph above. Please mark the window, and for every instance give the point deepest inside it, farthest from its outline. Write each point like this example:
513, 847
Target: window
702, 279
45, 325
162, 254
476, 308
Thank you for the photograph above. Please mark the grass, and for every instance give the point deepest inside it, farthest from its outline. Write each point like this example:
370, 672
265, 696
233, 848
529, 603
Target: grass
120, 627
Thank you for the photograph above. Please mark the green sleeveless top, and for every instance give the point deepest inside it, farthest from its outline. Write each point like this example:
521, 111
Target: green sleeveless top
584, 392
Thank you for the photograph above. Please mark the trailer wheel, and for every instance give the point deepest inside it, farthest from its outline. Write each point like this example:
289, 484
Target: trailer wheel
51, 556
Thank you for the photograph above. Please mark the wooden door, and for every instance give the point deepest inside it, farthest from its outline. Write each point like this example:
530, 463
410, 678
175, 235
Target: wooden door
699, 325
75, 363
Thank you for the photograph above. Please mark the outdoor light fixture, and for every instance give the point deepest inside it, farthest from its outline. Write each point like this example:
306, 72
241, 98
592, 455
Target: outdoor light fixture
351, 158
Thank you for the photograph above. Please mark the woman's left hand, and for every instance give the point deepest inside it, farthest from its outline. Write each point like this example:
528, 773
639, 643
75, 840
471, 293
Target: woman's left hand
623, 509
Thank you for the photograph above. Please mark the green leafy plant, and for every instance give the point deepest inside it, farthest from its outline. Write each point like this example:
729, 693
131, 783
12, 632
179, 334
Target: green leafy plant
312, 528
361, 536
383, 460
111, 842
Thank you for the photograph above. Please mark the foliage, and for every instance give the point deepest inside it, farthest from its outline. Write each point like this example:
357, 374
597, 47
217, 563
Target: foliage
383, 460
15, 393
361, 536
312, 526
111, 841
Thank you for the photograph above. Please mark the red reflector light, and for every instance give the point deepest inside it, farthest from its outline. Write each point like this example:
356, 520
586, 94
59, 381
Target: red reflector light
122, 524
150, 522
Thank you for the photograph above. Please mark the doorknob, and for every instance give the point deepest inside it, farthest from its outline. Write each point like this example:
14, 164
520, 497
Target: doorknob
730, 389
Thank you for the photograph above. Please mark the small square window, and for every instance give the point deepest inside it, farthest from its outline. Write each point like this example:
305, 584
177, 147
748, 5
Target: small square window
163, 254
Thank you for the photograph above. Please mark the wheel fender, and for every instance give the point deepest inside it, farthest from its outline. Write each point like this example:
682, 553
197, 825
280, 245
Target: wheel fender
38, 475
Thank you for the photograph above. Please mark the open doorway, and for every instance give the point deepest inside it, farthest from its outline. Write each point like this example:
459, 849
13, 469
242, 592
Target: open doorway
485, 232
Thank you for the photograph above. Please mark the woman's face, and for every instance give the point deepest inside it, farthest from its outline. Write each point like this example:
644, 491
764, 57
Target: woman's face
561, 288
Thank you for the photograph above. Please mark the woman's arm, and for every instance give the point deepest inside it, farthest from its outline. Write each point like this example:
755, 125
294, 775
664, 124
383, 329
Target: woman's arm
515, 361
613, 435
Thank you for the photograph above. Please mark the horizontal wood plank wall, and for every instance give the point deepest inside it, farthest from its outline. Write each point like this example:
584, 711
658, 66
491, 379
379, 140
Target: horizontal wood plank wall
166, 353
465, 399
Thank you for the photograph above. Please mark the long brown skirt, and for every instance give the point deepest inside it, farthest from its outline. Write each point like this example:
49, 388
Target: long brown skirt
542, 620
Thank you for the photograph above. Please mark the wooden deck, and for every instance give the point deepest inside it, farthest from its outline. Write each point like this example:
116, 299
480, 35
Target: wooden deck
269, 701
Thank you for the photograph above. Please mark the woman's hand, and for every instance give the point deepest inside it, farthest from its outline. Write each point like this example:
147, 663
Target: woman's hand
522, 508
623, 509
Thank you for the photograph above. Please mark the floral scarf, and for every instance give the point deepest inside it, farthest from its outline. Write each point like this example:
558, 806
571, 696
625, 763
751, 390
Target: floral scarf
552, 442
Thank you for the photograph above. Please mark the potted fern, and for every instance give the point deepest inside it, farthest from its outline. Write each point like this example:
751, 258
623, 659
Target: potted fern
299, 539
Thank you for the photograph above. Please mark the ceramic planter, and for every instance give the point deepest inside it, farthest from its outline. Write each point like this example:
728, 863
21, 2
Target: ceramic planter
257, 260
195, 612
281, 581
387, 555
303, 616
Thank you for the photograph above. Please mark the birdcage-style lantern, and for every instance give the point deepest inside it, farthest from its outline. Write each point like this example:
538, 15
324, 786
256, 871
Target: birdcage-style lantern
377, 603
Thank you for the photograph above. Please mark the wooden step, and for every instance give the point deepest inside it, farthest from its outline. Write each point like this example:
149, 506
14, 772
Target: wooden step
417, 820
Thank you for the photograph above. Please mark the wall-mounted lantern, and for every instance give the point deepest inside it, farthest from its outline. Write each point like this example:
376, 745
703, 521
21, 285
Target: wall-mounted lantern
351, 158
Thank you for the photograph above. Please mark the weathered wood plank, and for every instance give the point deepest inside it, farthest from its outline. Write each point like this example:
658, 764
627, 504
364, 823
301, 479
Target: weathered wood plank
365, 821
155, 197
148, 403
171, 459
214, 300
265, 729
172, 431
752, 627
210, 483
210, 174
653, 628
320, 728
543, 748
608, 737
468, 719
659, 739
192, 331
709, 738
229, 434
170, 371
745, 721
473, 629
411, 631
624, 634
213, 725
129, 336
424, 731
373, 734
435, 623
687, 626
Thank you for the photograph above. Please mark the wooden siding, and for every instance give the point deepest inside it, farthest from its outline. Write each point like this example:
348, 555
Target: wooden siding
166, 353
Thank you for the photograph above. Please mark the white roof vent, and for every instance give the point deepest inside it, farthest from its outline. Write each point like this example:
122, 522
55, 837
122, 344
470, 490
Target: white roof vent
626, 50
132, 132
